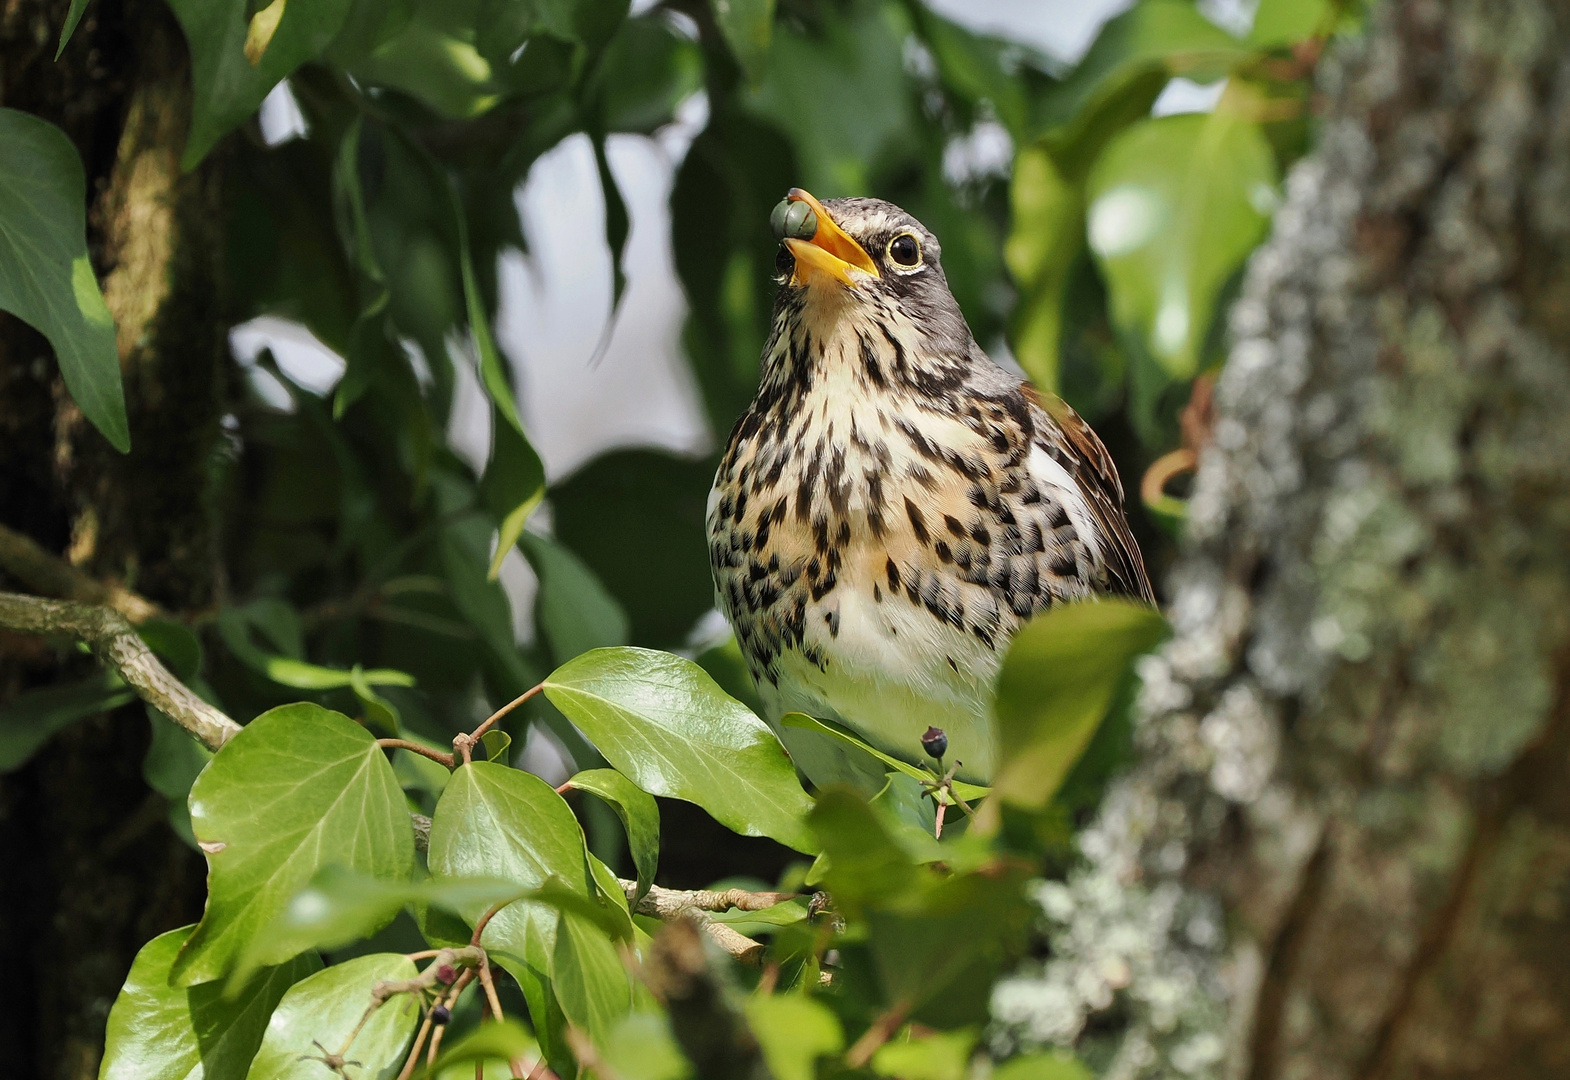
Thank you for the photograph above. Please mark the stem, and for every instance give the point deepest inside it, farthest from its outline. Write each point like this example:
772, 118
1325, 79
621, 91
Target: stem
937, 830
116, 644
490, 721
479, 927
42, 571
416, 748
875, 1036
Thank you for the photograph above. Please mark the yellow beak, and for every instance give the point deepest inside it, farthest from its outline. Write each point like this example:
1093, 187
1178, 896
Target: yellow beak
831, 254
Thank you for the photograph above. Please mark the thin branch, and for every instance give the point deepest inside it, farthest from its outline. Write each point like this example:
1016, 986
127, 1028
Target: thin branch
417, 748
44, 572
106, 631
677, 905
882, 1029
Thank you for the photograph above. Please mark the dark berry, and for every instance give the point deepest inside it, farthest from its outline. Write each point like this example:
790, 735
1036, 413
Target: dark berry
446, 974
441, 1015
935, 742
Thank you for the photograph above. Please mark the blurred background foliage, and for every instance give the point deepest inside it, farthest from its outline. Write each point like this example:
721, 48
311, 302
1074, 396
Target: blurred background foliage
1095, 245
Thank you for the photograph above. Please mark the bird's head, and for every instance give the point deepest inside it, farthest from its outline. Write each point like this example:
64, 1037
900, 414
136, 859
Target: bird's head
855, 270
838, 249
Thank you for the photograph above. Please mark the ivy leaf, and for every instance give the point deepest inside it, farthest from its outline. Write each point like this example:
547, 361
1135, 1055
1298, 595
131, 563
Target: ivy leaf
504, 824
298, 788
174, 760
1286, 22
1060, 677
665, 724
228, 86
29, 719
46, 279
1175, 206
160, 1032
592, 984
340, 906
641, 1047
319, 1014
793, 1031
639, 813
746, 26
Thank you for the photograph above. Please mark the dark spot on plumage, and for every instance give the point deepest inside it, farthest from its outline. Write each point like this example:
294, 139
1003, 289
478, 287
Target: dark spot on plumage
741, 503
877, 593
768, 594
922, 476
1063, 563
814, 568
943, 552
999, 440
899, 351
952, 664
893, 572
1057, 516
790, 574
918, 523
834, 559
725, 507
979, 533
1005, 515
954, 526
745, 541
869, 362
1031, 537
1066, 534
977, 496
833, 619
756, 571
842, 537
774, 563
820, 533
762, 537
824, 587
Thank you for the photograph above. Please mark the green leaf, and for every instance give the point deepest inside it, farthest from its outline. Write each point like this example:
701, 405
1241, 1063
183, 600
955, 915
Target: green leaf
495, 1040
1286, 22
746, 26
592, 984
1175, 206
380, 714
864, 862
227, 86
500, 823
1042, 1067
1060, 676
1048, 233
641, 1047
793, 1031
1150, 42
160, 1032
939, 1056
572, 608
495, 743
322, 1012
639, 813
175, 643
29, 719
340, 906
72, 17
825, 727
298, 788
303, 676
661, 721
46, 279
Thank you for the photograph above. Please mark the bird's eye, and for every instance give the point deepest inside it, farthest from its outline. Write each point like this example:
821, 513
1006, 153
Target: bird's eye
784, 263
905, 249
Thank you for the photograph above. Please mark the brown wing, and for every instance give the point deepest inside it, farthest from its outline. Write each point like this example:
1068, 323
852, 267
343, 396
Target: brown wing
1098, 479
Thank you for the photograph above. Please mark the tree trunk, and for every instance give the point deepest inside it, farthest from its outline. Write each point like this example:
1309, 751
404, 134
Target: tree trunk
1345, 850
88, 869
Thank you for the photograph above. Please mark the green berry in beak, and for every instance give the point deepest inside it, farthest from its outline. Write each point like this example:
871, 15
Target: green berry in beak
793, 219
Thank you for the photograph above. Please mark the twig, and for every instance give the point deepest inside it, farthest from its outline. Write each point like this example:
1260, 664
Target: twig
875, 1036
44, 572
106, 631
463, 744
417, 748
675, 905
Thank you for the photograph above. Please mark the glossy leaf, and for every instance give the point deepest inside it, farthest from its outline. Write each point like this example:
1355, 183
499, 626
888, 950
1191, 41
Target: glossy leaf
793, 1031
299, 788
319, 1014
592, 984
160, 1032
941, 1055
46, 279
1286, 22
572, 609
639, 814
31, 717
303, 676
667, 726
1175, 206
825, 727
746, 26
340, 906
227, 86
1060, 676
500, 823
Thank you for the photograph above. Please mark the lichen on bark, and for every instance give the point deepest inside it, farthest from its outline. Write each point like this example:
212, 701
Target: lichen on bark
1345, 848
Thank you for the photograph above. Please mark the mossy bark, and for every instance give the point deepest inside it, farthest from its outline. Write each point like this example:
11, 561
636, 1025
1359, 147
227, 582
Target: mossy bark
1345, 851
89, 870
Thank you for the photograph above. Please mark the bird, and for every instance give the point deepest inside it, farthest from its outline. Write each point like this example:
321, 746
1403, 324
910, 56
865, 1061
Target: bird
893, 505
